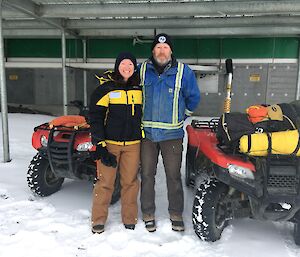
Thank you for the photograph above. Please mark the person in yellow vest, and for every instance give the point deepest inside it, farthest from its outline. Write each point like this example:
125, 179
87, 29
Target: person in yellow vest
115, 113
170, 94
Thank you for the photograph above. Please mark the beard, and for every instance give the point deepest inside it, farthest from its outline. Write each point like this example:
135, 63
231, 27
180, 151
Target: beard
161, 59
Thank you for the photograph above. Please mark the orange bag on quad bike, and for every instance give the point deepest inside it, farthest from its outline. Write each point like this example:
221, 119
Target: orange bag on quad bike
257, 113
75, 121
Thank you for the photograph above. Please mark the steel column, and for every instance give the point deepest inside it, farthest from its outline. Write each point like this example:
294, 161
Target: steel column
4, 116
85, 97
64, 71
298, 74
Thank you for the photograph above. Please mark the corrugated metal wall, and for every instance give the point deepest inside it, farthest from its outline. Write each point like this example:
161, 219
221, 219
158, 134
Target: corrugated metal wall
252, 84
281, 83
20, 86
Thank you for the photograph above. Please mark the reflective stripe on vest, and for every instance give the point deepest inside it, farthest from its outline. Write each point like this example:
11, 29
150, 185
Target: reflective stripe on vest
164, 125
142, 77
176, 92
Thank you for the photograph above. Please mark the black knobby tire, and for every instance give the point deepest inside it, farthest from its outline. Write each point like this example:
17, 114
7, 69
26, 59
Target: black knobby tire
188, 170
297, 229
209, 211
40, 178
117, 191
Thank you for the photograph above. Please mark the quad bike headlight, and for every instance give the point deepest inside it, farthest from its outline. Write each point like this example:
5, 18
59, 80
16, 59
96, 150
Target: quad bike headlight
240, 172
44, 141
84, 146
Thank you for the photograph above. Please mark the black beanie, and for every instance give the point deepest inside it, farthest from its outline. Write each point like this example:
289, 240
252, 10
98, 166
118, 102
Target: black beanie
122, 56
162, 38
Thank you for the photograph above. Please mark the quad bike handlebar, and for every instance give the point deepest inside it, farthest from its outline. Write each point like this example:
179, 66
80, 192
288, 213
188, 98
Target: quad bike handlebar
228, 64
83, 110
229, 72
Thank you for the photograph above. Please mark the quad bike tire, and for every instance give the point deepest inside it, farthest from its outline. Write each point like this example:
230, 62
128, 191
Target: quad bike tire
188, 171
297, 229
40, 178
117, 190
209, 211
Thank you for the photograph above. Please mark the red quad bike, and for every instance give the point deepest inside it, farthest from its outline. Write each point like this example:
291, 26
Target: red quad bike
64, 151
235, 185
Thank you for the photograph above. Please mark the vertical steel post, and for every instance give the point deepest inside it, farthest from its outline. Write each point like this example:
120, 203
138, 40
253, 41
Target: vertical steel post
298, 74
85, 97
4, 116
64, 72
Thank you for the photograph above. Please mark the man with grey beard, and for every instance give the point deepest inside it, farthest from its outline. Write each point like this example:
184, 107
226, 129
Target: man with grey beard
170, 94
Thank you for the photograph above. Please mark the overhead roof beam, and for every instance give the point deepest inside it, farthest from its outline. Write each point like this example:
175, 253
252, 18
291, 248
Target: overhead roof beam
182, 22
274, 31
167, 10
160, 23
9, 13
32, 33
25, 24
33, 10
55, 33
25, 6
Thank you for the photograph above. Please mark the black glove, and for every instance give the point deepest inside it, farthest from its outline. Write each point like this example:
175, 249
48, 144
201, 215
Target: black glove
107, 158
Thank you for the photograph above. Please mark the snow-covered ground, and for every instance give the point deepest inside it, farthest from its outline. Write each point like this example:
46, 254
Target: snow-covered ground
59, 225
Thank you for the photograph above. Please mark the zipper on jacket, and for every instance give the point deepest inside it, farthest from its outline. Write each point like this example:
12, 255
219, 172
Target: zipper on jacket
126, 126
132, 106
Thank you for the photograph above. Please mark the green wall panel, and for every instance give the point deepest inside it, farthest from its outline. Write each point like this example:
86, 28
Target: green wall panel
209, 48
183, 48
74, 48
286, 48
33, 48
260, 48
247, 48
109, 48
42, 48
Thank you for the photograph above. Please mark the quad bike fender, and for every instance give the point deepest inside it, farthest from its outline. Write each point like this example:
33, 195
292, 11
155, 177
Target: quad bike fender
206, 142
36, 138
61, 136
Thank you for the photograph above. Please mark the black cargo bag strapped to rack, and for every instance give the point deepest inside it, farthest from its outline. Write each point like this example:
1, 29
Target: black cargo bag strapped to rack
290, 120
232, 126
292, 111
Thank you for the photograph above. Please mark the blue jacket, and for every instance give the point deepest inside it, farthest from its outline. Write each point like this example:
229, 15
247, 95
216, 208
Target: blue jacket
167, 99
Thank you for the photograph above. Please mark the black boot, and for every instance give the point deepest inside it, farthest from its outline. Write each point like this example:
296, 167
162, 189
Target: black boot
130, 226
98, 229
150, 225
177, 225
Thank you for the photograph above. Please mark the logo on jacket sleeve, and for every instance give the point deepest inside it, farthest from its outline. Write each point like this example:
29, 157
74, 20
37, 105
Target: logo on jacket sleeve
115, 94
